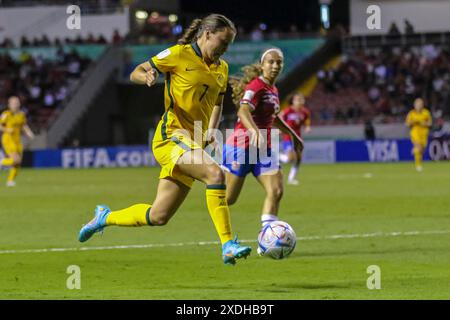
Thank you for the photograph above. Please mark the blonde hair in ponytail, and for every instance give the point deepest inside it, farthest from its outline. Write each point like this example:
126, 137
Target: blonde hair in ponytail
238, 84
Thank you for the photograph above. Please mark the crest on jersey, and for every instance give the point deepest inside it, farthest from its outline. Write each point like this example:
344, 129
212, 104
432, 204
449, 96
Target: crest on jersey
220, 79
272, 99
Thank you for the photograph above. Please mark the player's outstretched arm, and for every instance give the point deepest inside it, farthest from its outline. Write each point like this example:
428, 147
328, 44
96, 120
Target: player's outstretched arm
144, 74
28, 131
308, 125
284, 127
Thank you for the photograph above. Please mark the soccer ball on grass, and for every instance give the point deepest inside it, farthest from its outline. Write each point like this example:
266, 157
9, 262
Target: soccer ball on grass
276, 240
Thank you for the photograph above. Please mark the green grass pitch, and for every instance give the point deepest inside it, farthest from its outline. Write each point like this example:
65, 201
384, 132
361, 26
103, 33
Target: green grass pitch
346, 215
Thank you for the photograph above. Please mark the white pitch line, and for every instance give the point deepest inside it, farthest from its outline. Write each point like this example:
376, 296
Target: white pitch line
203, 243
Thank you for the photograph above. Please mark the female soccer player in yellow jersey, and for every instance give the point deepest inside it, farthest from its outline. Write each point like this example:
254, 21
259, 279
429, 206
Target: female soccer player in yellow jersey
419, 121
12, 123
195, 84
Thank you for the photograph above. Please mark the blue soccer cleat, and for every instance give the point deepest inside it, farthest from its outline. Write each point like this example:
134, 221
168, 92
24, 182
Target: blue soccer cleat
95, 225
231, 250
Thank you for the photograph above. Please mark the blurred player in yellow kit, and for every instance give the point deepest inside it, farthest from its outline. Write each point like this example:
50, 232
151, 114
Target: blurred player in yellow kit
196, 81
419, 121
12, 123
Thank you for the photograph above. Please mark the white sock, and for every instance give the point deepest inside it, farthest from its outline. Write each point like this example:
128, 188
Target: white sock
284, 158
293, 173
267, 218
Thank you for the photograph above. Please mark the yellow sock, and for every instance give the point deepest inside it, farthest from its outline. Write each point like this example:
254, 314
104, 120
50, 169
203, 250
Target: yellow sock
12, 173
7, 162
134, 216
216, 199
417, 157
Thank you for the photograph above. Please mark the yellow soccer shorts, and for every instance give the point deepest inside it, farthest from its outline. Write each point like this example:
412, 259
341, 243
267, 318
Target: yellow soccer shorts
421, 139
168, 148
10, 146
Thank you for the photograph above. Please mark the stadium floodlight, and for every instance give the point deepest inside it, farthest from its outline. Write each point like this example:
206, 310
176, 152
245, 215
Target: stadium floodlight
141, 14
173, 18
325, 15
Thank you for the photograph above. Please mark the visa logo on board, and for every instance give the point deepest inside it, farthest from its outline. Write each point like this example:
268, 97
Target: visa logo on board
382, 151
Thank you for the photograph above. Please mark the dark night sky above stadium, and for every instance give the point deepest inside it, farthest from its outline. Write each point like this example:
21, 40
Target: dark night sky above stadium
275, 13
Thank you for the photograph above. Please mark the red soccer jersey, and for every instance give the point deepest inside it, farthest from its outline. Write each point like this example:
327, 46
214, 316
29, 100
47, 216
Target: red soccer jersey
265, 104
295, 119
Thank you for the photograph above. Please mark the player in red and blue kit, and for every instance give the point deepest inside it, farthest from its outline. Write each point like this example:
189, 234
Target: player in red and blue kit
258, 106
296, 116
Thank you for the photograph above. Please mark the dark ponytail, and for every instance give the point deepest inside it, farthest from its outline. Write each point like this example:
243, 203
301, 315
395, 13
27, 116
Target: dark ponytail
191, 32
212, 22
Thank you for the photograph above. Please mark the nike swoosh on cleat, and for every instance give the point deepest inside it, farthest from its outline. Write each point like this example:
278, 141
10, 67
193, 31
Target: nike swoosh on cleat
187, 69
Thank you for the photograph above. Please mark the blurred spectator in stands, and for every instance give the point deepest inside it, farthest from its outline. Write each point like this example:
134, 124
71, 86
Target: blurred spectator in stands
438, 130
329, 80
369, 130
274, 34
45, 42
90, 39
293, 31
49, 99
397, 108
374, 94
380, 72
117, 38
383, 105
256, 34
24, 42
7, 43
78, 39
101, 40
34, 91
103, 5
409, 29
74, 64
354, 112
325, 113
35, 42
241, 31
430, 51
393, 30
321, 74
57, 42
339, 115
61, 94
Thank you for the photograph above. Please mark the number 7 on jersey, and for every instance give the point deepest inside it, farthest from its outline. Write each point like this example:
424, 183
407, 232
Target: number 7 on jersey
204, 92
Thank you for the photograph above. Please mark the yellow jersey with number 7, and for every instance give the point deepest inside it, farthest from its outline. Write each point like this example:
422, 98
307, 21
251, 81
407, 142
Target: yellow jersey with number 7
192, 88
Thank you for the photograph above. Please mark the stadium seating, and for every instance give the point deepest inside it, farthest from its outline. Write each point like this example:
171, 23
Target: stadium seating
381, 84
42, 84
